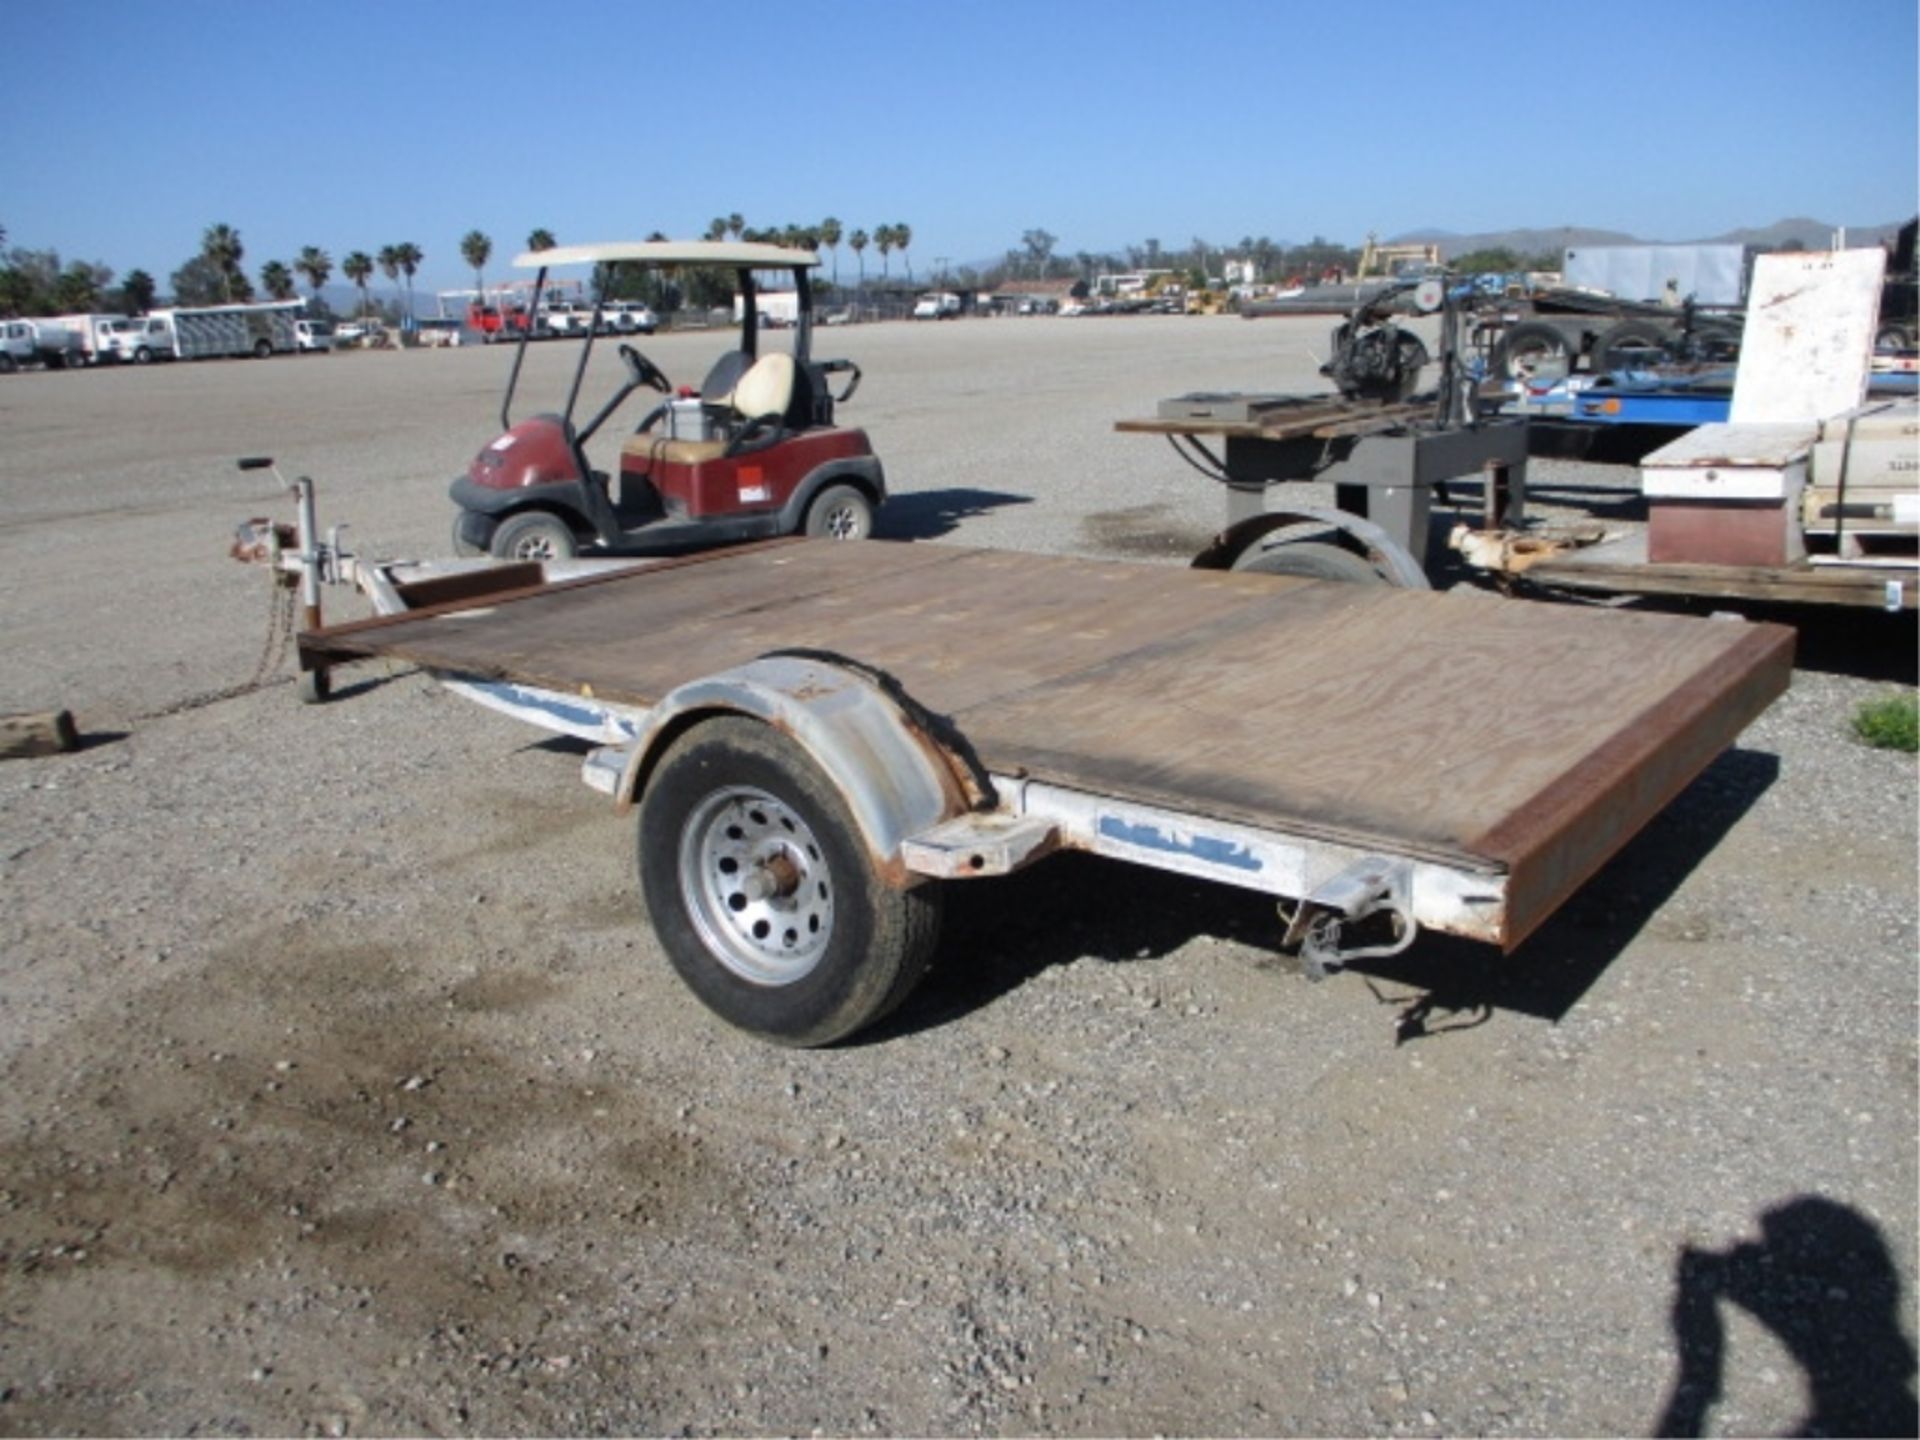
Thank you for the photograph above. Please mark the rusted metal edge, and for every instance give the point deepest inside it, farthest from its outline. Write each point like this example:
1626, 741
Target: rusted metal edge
319, 642
1396, 417
469, 584
1555, 843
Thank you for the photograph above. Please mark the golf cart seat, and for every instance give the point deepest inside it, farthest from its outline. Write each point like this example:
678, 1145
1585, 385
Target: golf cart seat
762, 399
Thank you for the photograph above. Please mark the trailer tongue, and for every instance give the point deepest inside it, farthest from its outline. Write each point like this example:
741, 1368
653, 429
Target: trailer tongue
812, 731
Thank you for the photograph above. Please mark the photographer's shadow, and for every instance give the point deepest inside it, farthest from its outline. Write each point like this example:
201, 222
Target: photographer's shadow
1822, 1280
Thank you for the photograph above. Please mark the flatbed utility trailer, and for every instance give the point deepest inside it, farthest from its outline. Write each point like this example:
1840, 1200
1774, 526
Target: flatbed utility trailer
815, 733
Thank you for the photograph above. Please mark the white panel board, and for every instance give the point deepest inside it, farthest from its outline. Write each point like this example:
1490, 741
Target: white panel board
1809, 335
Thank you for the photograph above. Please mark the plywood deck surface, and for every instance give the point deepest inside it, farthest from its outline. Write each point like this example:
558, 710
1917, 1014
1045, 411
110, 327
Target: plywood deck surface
1459, 727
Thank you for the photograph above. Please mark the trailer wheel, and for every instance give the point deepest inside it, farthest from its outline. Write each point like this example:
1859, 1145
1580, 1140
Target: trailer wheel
1525, 347
1630, 344
840, 512
1311, 560
7, 364
262, 349
534, 535
763, 894
462, 546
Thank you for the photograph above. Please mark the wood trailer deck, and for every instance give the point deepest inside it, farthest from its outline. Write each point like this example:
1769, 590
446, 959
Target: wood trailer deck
1527, 741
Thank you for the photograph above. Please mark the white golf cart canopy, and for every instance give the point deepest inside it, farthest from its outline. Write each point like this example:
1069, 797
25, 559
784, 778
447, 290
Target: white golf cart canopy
672, 252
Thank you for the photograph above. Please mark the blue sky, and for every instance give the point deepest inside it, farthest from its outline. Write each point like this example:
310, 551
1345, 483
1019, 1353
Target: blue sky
132, 126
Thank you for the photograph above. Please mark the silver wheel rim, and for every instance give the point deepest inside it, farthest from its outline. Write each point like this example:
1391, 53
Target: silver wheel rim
756, 885
536, 547
843, 522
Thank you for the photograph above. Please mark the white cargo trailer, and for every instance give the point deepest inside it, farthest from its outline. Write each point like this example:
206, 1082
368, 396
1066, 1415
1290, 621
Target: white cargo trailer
203, 332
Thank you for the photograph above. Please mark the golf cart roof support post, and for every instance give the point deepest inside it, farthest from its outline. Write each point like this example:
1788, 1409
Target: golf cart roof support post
586, 350
749, 314
803, 332
520, 351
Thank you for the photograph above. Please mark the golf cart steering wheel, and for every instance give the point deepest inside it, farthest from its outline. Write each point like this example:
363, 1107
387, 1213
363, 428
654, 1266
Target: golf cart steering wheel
644, 371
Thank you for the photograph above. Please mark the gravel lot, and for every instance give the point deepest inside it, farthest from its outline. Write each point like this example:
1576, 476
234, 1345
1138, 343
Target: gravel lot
342, 1091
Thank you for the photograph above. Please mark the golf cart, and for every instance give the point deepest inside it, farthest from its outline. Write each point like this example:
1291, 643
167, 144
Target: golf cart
752, 453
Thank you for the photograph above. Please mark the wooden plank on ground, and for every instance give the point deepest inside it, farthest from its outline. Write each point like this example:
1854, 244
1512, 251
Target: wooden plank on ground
42, 732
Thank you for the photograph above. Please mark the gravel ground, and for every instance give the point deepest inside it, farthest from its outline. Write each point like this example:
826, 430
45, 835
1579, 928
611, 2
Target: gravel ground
342, 1091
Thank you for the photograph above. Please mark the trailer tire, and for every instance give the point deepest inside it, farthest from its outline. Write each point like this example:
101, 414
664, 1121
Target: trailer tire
839, 512
534, 535
1523, 347
463, 547
1311, 560
262, 349
7, 364
1619, 346
762, 892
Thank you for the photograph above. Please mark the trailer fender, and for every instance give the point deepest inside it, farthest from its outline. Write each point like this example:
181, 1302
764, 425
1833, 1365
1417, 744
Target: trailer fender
898, 775
1358, 534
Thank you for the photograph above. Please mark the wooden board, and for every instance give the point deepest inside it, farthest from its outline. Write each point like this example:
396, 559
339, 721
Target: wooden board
1450, 726
1621, 567
1808, 339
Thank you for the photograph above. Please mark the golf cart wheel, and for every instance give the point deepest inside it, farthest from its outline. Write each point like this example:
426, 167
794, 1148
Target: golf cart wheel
534, 535
763, 894
840, 512
1310, 560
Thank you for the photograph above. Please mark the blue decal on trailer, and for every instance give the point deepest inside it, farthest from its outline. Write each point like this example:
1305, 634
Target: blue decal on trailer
548, 702
1201, 847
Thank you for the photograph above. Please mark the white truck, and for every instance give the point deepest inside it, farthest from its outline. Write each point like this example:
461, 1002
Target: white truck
39, 342
937, 305
139, 340
202, 332
94, 334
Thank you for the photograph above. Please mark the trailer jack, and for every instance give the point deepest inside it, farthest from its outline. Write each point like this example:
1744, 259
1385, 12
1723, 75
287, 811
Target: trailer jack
1372, 887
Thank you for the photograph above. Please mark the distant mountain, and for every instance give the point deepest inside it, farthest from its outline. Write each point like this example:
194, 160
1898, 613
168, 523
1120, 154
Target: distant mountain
1813, 234
1521, 242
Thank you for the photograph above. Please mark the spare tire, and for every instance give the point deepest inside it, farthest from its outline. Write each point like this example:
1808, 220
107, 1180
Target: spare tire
1523, 348
1629, 345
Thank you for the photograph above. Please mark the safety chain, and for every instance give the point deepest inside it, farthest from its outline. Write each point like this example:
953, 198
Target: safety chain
272, 653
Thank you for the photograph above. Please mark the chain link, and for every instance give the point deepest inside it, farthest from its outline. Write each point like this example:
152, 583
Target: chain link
272, 654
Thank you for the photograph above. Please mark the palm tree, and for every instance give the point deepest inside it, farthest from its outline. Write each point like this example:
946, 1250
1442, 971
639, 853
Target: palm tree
541, 239
830, 237
476, 249
316, 265
277, 280
903, 237
883, 242
735, 224
857, 242
717, 228
357, 267
389, 262
408, 256
222, 249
